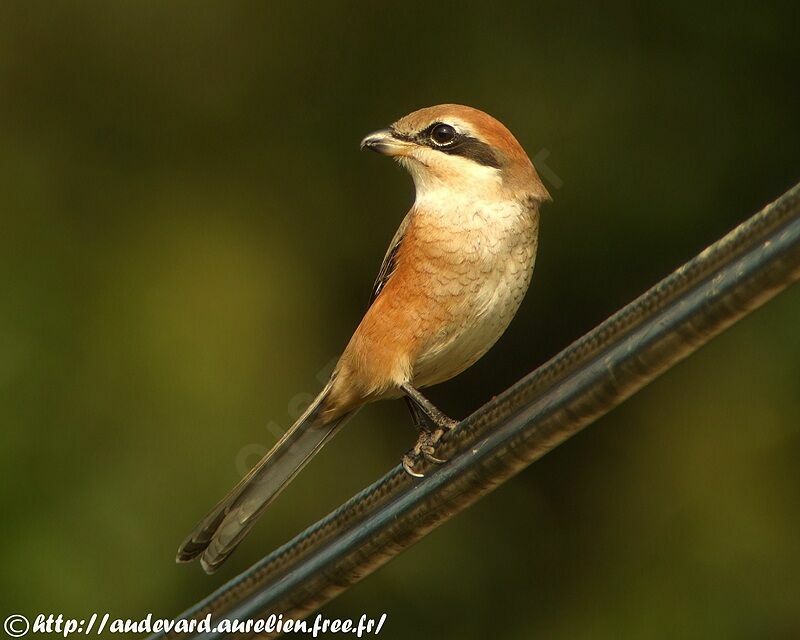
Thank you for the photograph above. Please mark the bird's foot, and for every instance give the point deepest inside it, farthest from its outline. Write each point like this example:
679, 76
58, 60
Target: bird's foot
425, 448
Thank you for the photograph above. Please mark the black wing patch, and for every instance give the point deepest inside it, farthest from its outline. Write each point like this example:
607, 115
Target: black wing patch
387, 269
389, 261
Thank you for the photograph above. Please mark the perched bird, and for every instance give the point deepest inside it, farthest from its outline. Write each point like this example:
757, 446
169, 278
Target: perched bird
450, 283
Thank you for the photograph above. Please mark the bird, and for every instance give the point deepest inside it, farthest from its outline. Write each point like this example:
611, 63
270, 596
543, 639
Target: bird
451, 281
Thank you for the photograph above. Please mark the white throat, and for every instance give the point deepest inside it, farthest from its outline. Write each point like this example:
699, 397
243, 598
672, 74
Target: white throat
452, 181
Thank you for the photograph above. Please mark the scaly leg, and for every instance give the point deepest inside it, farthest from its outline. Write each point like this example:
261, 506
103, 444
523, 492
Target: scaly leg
432, 425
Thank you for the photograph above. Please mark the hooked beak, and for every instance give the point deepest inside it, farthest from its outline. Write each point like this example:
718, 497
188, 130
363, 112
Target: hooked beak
384, 142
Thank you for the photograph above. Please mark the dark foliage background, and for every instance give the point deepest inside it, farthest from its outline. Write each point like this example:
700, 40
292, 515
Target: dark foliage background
188, 234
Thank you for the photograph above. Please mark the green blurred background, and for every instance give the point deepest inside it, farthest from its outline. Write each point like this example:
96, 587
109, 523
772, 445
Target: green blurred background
188, 234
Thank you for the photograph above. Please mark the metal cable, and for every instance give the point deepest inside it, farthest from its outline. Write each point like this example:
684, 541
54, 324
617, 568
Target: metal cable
722, 284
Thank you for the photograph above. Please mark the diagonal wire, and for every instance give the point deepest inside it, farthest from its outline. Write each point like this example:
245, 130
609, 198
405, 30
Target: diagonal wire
597, 372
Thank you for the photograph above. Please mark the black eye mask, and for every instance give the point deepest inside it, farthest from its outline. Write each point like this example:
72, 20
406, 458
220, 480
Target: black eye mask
462, 145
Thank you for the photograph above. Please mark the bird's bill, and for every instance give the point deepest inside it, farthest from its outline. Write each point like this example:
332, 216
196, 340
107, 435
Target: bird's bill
385, 143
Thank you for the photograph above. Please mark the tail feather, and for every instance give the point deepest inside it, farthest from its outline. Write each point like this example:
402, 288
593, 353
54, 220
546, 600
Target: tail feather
218, 534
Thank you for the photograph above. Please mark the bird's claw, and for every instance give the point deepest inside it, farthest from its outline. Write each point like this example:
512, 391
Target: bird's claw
432, 458
425, 448
408, 467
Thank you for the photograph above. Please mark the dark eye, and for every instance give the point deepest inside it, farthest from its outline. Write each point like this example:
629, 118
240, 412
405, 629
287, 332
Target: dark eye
442, 134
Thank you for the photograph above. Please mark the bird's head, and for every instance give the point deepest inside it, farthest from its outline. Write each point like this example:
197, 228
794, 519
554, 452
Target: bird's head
460, 149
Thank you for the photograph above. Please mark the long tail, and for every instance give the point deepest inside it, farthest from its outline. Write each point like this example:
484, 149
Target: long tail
217, 535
